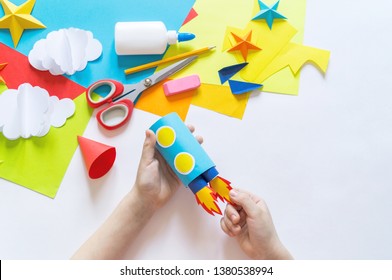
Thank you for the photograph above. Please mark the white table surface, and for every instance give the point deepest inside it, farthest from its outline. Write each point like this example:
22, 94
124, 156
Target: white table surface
322, 161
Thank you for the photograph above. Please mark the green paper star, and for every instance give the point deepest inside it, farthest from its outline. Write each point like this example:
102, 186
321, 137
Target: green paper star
268, 13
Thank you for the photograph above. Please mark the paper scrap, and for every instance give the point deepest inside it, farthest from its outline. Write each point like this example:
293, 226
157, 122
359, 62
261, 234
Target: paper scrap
295, 56
30, 111
18, 18
229, 71
65, 51
239, 87
192, 14
268, 13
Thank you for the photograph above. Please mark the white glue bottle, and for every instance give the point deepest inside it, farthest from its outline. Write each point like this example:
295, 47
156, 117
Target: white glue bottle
145, 37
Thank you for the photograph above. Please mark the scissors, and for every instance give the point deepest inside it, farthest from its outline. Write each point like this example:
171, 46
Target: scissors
119, 112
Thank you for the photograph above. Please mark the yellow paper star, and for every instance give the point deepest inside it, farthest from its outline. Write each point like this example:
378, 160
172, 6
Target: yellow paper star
243, 44
2, 66
18, 18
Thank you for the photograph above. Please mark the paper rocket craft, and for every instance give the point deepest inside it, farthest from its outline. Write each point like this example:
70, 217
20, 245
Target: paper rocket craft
190, 162
18, 18
268, 13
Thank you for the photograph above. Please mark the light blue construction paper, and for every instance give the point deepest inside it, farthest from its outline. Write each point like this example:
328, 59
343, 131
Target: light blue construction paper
99, 17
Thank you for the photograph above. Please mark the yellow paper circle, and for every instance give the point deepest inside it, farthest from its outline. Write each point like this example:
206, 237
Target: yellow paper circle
166, 136
184, 163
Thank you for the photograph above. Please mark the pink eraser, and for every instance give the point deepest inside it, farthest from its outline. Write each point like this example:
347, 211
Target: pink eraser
180, 85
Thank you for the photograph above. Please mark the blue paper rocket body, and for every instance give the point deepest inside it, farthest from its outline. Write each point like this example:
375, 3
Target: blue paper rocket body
180, 149
190, 162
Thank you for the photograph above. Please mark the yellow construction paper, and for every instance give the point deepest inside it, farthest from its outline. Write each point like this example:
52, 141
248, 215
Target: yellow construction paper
295, 56
155, 101
220, 99
40, 163
18, 18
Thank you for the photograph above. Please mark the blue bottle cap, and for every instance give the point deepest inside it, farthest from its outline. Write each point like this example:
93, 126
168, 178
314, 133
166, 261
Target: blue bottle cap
185, 37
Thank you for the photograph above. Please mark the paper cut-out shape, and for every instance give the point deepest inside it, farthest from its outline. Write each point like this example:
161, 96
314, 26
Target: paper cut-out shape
18, 18
239, 87
190, 162
99, 158
192, 14
227, 72
65, 51
268, 13
29, 111
295, 56
2, 66
243, 44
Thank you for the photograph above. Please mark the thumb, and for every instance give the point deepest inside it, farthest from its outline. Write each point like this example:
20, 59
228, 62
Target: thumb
148, 153
244, 200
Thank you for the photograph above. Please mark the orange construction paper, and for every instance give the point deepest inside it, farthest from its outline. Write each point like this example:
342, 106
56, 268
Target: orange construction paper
155, 101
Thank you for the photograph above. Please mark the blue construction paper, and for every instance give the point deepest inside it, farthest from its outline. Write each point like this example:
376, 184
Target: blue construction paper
100, 17
183, 142
238, 87
268, 13
227, 72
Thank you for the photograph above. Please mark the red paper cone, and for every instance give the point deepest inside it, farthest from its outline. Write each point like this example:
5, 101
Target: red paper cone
98, 157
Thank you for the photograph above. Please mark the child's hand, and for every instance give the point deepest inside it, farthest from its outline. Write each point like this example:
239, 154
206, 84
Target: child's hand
155, 181
251, 223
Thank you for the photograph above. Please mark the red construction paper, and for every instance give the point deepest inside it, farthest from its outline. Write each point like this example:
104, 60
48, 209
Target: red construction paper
192, 14
19, 71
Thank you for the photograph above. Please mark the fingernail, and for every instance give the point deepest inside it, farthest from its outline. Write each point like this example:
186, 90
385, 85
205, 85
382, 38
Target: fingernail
233, 193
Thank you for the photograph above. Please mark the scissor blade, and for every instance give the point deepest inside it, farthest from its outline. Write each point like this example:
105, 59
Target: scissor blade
170, 70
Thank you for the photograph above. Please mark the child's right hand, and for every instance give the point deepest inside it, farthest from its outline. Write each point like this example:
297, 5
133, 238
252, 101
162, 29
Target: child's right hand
250, 222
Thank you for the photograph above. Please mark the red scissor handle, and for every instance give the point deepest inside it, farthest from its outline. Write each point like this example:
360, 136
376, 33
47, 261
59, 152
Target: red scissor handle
116, 115
116, 88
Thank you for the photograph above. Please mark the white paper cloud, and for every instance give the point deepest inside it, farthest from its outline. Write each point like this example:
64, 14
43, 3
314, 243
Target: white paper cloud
65, 51
30, 111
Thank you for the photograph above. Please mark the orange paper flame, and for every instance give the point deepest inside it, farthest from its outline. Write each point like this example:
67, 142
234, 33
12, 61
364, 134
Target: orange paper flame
206, 197
221, 187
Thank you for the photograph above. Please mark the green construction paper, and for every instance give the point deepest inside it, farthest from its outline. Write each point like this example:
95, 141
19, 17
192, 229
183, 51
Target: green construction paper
40, 163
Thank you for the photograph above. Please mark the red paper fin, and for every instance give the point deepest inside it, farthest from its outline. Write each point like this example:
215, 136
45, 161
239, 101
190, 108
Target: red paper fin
192, 14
